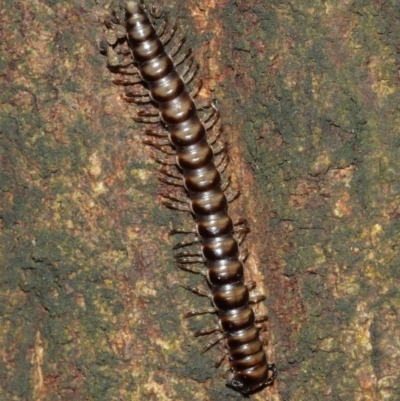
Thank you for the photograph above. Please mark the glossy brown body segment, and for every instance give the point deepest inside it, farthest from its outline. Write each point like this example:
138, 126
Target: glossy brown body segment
249, 369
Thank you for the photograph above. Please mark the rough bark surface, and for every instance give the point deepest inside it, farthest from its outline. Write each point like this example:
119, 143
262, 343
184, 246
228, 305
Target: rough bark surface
90, 302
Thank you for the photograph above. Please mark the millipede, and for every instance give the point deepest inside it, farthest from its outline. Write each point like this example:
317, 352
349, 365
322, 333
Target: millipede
187, 130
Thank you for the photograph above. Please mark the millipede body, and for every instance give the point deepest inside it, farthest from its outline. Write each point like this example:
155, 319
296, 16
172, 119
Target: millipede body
198, 167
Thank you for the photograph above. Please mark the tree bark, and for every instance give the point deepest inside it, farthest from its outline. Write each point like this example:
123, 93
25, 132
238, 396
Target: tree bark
91, 303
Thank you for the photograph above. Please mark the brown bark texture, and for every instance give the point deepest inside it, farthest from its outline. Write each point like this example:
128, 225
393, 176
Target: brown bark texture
91, 306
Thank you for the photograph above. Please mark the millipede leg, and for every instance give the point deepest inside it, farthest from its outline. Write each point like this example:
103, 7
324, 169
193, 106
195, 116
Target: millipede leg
187, 67
148, 113
130, 70
181, 199
240, 237
175, 49
232, 196
207, 330
138, 100
176, 206
251, 285
211, 118
162, 146
219, 360
166, 162
204, 104
210, 123
256, 298
200, 312
222, 164
167, 171
213, 341
222, 147
225, 183
178, 198
189, 255
261, 317
167, 150
241, 224
183, 231
151, 120
155, 133
148, 116
130, 80
214, 135
244, 253
152, 13
186, 254
156, 142
199, 291
210, 114
192, 269
130, 92
172, 181
169, 34
162, 27
189, 76
182, 57
181, 244
240, 229
260, 326
220, 159
191, 259
272, 368
196, 89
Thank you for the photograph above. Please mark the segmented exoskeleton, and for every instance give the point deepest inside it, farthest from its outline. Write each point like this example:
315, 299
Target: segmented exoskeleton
198, 167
